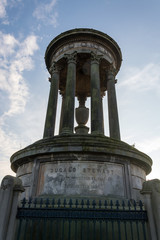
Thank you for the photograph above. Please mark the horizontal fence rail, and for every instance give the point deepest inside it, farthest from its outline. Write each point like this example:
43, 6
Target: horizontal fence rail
81, 219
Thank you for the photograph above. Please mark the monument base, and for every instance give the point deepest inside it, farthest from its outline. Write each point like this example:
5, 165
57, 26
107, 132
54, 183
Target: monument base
82, 166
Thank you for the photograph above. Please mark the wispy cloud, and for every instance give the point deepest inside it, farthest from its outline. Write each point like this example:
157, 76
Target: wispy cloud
46, 13
3, 4
15, 58
143, 79
3, 13
8, 144
148, 146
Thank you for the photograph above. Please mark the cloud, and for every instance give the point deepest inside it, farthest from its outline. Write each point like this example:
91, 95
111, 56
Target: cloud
3, 4
46, 13
15, 58
5, 169
3, 13
148, 146
8, 145
143, 79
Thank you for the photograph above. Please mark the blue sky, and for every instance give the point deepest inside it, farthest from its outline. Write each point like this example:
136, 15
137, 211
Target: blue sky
27, 27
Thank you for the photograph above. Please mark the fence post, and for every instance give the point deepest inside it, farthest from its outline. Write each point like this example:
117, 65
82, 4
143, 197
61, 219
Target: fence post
151, 194
10, 189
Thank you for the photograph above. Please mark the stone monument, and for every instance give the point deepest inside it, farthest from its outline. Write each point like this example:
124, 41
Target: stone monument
79, 161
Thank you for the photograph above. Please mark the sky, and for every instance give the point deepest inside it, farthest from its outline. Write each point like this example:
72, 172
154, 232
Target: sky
26, 29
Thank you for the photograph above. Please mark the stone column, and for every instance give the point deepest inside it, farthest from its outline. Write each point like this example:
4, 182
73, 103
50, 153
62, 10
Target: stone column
52, 102
151, 195
61, 116
11, 187
112, 105
96, 101
148, 207
69, 97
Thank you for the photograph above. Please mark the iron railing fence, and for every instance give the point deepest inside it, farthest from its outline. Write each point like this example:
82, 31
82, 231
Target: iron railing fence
40, 219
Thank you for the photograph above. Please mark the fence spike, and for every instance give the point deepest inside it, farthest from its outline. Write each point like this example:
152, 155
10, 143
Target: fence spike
76, 203
59, 202
35, 202
70, 203
47, 202
117, 204
53, 202
41, 202
105, 204
134, 204
93, 204
129, 205
123, 205
64, 203
141, 205
29, 202
82, 203
88, 203
100, 203
111, 204
23, 202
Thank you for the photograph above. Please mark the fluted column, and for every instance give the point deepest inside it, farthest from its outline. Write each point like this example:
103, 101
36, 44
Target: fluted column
69, 97
112, 105
96, 101
52, 102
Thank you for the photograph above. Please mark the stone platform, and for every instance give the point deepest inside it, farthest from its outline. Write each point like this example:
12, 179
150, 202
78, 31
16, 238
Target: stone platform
81, 165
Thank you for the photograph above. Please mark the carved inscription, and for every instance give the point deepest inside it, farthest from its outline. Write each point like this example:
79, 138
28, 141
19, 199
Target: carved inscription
81, 178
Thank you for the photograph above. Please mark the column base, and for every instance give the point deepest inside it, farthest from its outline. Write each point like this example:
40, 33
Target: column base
81, 129
66, 131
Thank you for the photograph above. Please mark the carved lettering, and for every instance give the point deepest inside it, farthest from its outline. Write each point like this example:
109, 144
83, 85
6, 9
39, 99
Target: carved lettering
85, 178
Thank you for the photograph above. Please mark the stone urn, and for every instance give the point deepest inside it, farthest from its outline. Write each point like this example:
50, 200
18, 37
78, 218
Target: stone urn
82, 115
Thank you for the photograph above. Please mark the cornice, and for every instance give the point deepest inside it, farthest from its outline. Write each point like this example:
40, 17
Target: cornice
83, 34
82, 144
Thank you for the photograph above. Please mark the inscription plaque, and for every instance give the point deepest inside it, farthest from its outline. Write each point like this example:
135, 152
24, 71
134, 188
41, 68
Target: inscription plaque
87, 179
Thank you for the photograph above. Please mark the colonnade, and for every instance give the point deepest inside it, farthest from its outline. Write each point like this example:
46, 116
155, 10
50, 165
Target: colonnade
68, 99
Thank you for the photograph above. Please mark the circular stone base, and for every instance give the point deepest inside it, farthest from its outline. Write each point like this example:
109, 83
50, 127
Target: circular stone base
81, 165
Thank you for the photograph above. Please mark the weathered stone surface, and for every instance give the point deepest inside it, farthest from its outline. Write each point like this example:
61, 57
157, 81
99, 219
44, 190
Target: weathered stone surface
85, 144
26, 180
137, 171
84, 39
151, 195
10, 189
137, 182
82, 164
69, 98
24, 169
112, 106
81, 178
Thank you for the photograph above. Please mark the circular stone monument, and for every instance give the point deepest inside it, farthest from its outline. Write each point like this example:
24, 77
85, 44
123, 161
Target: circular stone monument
82, 162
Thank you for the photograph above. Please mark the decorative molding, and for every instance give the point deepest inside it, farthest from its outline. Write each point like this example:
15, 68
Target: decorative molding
55, 68
95, 58
71, 58
84, 44
111, 71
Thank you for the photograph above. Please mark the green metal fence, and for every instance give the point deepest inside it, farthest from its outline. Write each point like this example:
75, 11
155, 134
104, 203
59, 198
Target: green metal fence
48, 219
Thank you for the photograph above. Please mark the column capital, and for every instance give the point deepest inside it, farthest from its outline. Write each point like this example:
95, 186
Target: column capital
71, 58
55, 68
95, 58
111, 70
